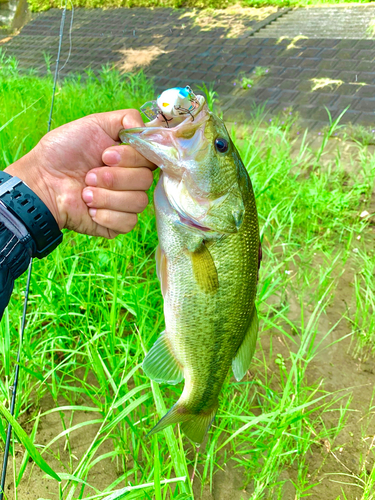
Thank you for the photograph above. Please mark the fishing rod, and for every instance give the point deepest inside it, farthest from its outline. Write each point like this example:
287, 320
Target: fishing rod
23, 321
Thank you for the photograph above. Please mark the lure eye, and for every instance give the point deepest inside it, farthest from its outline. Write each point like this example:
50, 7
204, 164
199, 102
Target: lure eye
221, 145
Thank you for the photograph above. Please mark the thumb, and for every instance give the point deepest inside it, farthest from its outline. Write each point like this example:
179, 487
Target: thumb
113, 121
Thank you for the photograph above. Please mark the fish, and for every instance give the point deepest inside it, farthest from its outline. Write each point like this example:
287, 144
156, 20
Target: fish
207, 262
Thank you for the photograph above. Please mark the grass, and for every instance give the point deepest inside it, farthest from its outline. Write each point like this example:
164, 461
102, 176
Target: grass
41, 5
96, 307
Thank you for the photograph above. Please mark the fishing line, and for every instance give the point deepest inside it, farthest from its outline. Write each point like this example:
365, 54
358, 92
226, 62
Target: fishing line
70, 38
23, 322
57, 67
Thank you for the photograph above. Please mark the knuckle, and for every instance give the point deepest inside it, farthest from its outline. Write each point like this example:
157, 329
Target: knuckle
148, 178
142, 201
112, 234
108, 178
132, 221
134, 157
104, 216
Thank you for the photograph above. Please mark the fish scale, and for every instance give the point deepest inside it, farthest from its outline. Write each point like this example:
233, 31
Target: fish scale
207, 263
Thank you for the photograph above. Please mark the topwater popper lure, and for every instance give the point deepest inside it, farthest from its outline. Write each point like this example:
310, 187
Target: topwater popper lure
208, 255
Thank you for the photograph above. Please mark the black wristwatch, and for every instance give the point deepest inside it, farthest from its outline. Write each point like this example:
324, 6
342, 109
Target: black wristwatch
29, 209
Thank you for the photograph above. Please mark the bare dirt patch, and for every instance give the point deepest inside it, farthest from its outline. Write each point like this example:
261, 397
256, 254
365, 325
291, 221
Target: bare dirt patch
135, 59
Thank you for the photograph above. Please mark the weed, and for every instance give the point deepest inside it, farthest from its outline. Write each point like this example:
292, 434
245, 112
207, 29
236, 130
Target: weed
364, 136
260, 71
96, 307
243, 81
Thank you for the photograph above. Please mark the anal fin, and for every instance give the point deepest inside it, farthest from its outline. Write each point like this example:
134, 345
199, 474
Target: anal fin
242, 360
161, 365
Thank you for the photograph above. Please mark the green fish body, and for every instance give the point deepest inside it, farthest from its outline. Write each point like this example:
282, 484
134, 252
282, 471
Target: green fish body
207, 264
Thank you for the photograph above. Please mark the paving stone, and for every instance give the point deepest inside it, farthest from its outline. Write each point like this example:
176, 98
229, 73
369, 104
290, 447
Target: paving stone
304, 86
327, 64
344, 64
309, 62
99, 37
325, 100
367, 119
289, 84
312, 52
319, 114
366, 55
365, 76
305, 98
365, 105
291, 72
288, 96
350, 76
343, 102
366, 91
308, 74
304, 111
332, 22
364, 66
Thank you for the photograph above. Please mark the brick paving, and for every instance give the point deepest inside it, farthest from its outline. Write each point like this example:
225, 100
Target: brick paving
325, 69
346, 21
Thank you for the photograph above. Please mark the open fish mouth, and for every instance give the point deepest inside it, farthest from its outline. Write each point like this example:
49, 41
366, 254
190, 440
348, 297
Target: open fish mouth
163, 146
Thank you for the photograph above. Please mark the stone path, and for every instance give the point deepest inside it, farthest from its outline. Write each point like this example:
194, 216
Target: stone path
345, 21
306, 59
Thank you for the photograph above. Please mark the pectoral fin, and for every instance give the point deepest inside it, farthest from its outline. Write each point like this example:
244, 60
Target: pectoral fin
204, 269
161, 269
160, 363
241, 362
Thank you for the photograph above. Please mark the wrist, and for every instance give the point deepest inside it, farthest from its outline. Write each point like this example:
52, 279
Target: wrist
28, 169
26, 216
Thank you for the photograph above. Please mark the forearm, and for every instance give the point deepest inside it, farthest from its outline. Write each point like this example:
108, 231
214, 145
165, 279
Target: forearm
27, 229
16, 250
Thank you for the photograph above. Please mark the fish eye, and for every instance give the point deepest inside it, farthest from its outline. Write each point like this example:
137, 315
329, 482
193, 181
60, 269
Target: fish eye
221, 145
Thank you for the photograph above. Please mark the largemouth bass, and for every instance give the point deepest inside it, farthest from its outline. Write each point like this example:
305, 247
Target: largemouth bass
207, 262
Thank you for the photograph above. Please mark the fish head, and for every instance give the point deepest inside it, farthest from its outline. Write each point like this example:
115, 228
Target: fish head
201, 169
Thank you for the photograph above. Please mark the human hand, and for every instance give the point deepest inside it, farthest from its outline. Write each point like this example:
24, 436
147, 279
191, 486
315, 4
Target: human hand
68, 171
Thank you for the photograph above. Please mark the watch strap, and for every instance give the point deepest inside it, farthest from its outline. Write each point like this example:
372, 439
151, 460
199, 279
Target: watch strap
24, 204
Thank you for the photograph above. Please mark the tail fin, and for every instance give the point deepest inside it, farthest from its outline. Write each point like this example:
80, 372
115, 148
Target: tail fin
194, 425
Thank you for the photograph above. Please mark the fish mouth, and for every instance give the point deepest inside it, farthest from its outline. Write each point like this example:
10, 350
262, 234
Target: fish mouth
167, 147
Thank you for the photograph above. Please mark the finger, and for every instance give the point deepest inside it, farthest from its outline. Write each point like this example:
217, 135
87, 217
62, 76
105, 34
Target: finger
125, 156
112, 121
120, 222
123, 201
120, 179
